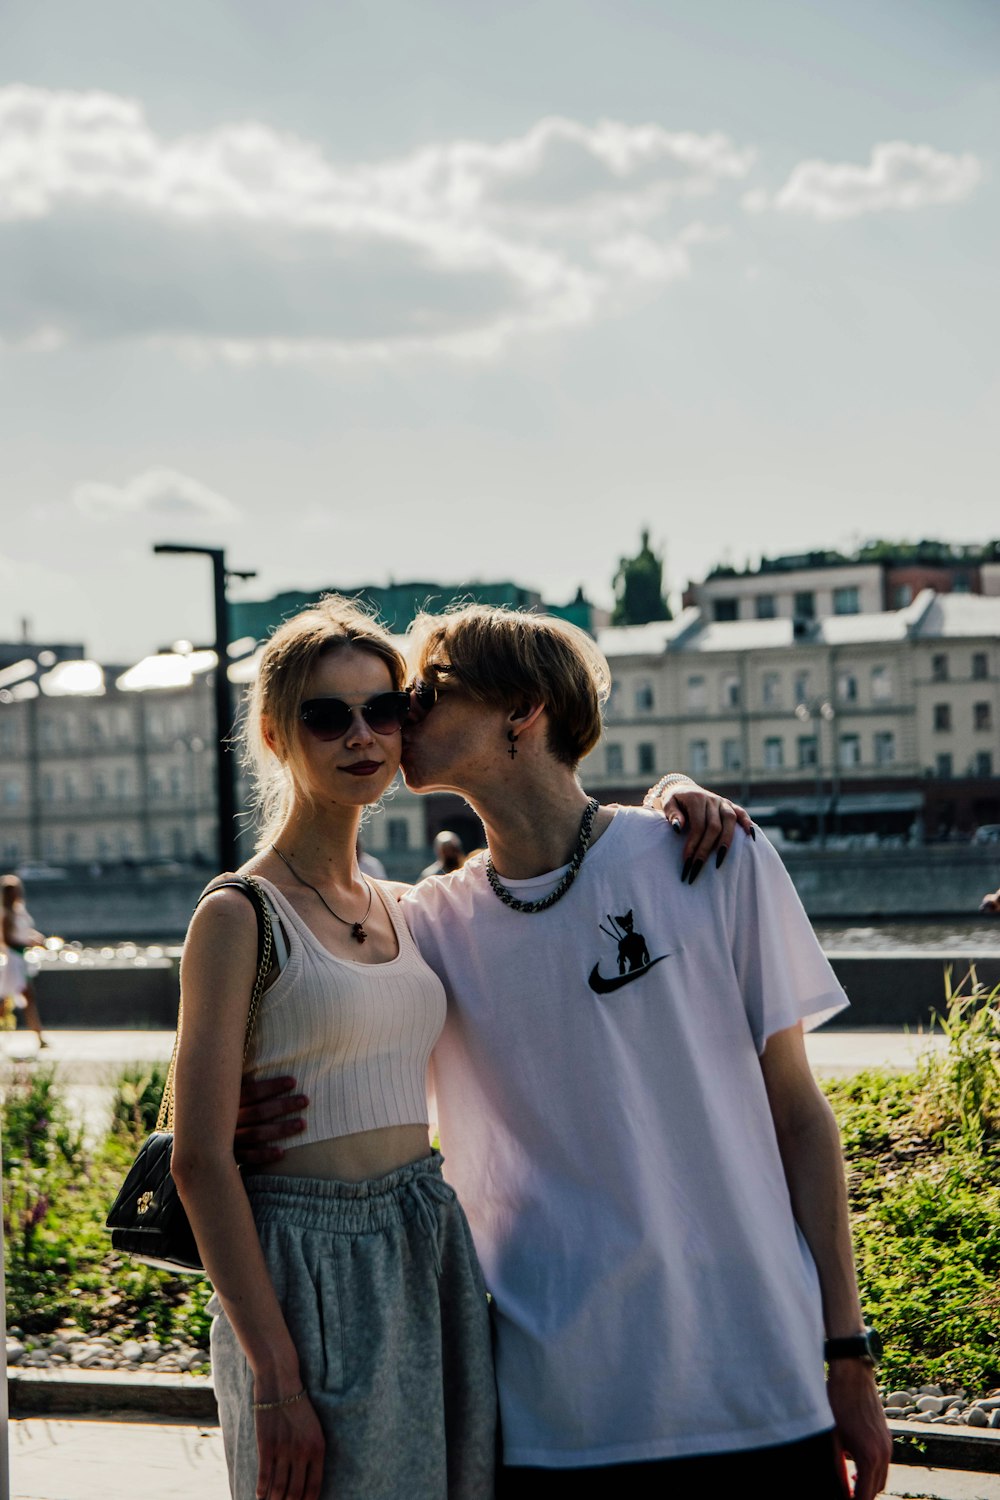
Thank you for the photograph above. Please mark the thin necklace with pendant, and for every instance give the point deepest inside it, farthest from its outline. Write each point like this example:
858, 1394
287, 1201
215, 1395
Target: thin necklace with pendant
544, 902
358, 932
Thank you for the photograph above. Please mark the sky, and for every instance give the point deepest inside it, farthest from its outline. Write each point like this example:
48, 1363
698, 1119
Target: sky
453, 290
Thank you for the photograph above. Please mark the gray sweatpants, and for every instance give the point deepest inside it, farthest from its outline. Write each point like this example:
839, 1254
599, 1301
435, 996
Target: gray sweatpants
385, 1302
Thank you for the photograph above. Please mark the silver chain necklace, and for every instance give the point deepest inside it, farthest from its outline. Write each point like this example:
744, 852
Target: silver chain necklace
358, 932
544, 902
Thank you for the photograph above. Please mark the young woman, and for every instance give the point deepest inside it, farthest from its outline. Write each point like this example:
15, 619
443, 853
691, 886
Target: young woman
351, 1349
19, 933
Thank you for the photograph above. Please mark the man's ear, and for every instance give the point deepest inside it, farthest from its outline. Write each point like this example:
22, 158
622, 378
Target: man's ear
522, 717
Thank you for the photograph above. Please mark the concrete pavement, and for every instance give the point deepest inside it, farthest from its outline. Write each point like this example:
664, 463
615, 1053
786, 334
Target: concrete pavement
57, 1459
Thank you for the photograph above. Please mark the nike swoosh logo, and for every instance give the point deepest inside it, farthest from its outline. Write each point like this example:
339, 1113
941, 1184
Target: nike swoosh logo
602, 986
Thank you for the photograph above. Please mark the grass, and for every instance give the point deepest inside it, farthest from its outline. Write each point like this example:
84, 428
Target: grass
923, 1168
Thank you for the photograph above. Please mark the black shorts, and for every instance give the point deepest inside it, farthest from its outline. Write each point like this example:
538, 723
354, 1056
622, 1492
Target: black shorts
811, 1469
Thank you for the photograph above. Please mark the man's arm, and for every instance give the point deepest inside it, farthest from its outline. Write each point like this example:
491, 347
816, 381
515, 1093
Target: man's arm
809, 1142
709, 821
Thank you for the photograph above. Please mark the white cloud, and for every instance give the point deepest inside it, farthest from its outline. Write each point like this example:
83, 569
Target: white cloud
899, 176
160, 494
245, 242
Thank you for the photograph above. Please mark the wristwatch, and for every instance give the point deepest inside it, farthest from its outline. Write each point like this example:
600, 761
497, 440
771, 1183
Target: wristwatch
866, 1346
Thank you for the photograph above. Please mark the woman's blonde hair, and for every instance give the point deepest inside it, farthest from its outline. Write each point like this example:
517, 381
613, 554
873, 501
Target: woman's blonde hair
276, 695
509, 658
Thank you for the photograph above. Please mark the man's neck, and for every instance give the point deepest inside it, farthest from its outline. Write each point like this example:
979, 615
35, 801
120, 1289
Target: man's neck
534, 827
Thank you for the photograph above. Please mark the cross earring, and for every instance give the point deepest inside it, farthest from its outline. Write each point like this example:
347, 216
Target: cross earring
513, 747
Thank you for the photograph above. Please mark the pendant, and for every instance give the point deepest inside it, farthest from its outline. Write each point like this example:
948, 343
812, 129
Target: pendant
358, 933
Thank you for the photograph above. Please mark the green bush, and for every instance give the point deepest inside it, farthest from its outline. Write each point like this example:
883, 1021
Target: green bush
923, 1159
60, 1264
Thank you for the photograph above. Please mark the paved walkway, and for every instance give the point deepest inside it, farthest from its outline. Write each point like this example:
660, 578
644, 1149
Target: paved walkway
57, 1459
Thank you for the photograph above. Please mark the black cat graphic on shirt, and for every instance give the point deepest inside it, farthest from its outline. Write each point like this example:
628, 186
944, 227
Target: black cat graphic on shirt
633, 955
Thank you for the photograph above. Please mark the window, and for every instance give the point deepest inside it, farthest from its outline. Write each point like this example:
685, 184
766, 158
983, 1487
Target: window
942, 716
885, 747
847, 687
980, 666
646, 759
643, 696
8, 734
97, 730
69, 787
846, 601
942, 766
731, 690
614, 760
698, 757
774, 754
176, 782
850, 750
939, 667
100, 786
732, 755
961, 584
804, 605
881, 684
71, 844
725, 609
983, 763
179, 843
46, 788
801, 686
982, 716
808, 751
902, 595
397, 831
11, 792
770, 687
121, 783
765, 607
613, 706
47, 734
697, 696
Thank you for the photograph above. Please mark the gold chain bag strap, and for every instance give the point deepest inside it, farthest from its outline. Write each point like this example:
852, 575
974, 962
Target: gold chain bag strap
147, 1219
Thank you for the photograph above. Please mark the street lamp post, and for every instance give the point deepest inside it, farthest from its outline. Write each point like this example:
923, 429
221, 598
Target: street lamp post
823, 711
224, 780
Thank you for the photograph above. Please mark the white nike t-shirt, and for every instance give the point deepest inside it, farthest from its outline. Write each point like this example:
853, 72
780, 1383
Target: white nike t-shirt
604, 1120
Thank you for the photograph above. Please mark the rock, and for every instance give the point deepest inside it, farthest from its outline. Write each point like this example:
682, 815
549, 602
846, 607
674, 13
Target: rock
895, 1413
995, 1418
59, 1346
930, 1402
930, 1390
151, 1351
15, 1352
897, 1398
976, 1417
131, 1349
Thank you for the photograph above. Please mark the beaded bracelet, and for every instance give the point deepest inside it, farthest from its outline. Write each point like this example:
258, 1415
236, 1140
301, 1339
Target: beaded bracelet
656, 791
272, 1405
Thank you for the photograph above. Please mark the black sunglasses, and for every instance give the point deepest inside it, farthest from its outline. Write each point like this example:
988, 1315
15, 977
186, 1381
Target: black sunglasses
424, 693
331, 718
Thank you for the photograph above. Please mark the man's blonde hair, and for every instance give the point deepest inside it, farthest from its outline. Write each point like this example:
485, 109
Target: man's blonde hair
276, 696
509, 659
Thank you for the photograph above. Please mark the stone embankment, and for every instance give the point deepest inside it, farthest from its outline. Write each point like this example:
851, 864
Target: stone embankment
929, 1403
71, 1349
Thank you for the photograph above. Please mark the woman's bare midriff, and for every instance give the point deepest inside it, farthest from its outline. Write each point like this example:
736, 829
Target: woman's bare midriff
353, 1158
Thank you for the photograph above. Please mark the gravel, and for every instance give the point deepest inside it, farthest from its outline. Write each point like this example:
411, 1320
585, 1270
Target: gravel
929, 1403
71, 1348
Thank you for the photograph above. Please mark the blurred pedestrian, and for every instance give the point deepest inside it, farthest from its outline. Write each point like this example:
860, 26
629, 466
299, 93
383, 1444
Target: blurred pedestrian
449, 855
19, 934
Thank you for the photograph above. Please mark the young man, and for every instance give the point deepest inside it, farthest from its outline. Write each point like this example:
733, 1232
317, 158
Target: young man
653, 1180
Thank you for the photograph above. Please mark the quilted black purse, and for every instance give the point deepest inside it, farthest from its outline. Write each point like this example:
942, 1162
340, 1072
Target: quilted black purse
147, 1219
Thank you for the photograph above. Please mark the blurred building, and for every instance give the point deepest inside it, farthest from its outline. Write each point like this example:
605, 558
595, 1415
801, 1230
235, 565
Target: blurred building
883, 721
809, 586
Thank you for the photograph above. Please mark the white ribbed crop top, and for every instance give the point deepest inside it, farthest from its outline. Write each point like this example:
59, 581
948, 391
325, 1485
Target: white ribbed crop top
356, 1037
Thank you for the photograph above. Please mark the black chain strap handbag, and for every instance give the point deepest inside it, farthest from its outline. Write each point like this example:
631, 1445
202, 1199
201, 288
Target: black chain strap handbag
148, 1219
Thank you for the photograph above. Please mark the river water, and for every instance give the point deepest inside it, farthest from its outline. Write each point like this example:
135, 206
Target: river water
964, 937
